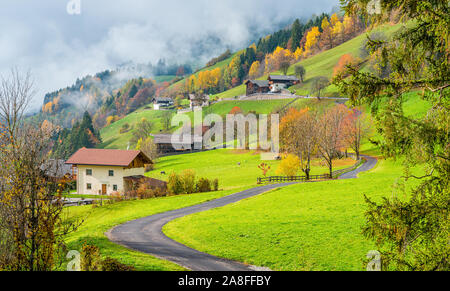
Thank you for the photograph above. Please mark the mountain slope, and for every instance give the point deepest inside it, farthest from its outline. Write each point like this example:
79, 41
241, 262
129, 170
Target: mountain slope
321, 64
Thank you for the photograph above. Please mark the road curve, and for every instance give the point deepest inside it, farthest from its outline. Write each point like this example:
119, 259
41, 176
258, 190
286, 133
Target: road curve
145, 234
368, 165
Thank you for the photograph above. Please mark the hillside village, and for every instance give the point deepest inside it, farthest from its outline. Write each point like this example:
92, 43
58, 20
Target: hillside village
351, 118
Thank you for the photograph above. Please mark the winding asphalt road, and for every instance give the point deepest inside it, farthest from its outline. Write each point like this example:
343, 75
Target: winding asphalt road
368, 165
145, 234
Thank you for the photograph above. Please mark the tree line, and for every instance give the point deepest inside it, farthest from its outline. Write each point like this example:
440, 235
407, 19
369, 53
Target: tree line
306, 134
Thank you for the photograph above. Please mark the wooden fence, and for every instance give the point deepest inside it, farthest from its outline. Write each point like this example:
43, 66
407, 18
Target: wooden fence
277, 179
342, 171
337, 173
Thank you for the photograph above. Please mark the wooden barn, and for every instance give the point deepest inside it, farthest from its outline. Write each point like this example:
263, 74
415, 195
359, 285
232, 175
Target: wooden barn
257, 86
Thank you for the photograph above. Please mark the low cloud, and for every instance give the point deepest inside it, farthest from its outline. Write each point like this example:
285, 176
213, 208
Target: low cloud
57, 48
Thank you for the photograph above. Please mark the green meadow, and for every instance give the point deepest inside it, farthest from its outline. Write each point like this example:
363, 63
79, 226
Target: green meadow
233, 168
309, 226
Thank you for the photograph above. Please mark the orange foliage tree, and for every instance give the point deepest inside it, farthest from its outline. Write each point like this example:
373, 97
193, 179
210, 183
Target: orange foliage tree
344, 61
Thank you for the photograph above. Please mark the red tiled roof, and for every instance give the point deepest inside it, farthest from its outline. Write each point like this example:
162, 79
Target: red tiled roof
105, 157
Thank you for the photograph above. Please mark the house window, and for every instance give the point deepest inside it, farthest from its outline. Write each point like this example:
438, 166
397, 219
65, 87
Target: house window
111, 173
114, 187
88, 172
89, 186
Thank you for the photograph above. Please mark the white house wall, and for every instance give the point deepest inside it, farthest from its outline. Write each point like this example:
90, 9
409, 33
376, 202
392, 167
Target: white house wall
100, 176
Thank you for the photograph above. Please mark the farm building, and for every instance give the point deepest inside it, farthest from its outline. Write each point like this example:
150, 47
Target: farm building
198, 101
273, 84
58, 169
280, 82
165, 144
257, 86
162, 102
105, 171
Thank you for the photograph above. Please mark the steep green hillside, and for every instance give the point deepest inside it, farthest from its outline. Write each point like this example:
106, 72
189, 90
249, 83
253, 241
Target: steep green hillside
113, 139
321, 64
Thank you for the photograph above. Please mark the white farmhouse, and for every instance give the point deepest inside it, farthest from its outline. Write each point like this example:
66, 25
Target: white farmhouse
104, 171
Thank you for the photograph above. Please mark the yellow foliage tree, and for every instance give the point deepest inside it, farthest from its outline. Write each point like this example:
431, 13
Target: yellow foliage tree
298, 53
254, 70
289, 166
48, 107
327, 33
311, 40
278, 57
338, 30
349, 25
334, 19
110, 119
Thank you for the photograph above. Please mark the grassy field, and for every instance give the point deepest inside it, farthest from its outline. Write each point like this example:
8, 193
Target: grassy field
223, 164
310, 226
113, 139
164, 78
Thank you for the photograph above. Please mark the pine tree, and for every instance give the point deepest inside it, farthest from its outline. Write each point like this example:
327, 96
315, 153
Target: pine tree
411, 233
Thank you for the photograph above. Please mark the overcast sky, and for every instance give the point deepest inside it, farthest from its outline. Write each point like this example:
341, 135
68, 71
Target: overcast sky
57, 47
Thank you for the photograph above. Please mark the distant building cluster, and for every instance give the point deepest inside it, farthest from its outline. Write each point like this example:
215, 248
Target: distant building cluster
273, 84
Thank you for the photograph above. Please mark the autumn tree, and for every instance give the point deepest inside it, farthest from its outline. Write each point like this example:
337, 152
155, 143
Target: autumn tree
32, 224
357, 126
330, 134
298, 135
148, 147
289, 165
410, 227
349, 27
338, 31
275, 60
312, 38
319, 84
254, 70
327, 35
142, 130
300, 72
344, 61
264, 168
